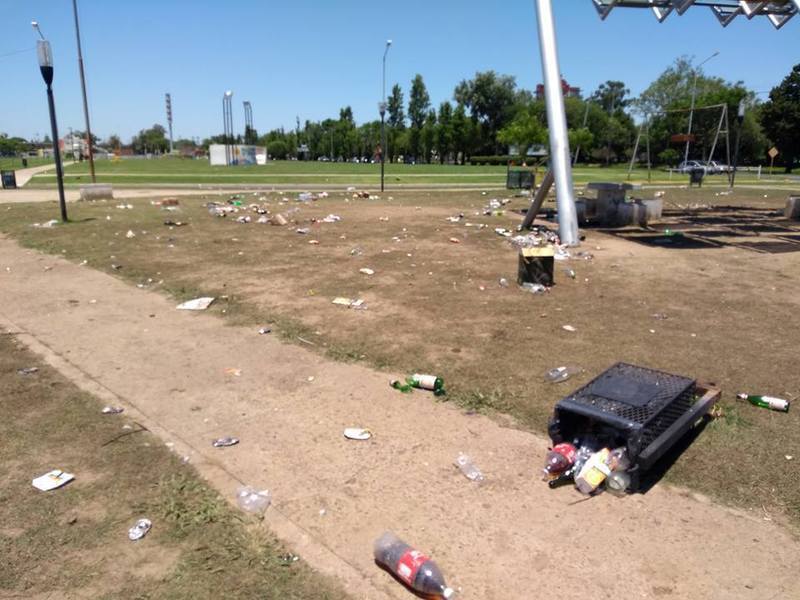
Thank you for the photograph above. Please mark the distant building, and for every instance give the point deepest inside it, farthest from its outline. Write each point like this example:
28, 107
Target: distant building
566, 88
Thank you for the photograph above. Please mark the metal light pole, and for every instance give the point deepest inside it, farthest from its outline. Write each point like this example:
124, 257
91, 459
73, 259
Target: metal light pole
691, 110
227, 117
739, 120
557, 124
382, 110
168, 98
83, 89
45, 55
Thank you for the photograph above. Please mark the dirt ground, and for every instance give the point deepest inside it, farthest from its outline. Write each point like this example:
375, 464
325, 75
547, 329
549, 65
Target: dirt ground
72, 542
729, 321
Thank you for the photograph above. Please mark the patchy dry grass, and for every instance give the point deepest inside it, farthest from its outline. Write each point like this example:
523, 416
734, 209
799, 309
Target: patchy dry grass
436, 306
72, 542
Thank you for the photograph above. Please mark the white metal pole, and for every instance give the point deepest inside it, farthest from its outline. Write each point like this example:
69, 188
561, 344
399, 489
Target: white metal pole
557, 124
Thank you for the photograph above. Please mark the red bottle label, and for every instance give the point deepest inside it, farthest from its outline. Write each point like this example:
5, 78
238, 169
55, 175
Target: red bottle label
566, 450
409, 564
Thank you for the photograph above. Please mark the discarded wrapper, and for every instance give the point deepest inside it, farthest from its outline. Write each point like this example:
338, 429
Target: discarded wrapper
224, 442
366, 271
52, 480
27, 370
356, 433
264, 330
112, 410
569, 328
348, 302
252, 500
196, 304
139, 530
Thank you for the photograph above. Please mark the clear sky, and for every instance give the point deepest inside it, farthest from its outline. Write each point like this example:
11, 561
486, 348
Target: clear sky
309, 58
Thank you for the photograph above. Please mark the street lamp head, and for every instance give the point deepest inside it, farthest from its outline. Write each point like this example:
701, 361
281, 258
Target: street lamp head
228, 94
388, 42
382, 108
740, 113
35, 25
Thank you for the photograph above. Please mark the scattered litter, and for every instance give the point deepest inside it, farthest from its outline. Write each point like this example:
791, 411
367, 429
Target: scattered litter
302, 230
112, 410
533, 288
503, 231
253, 501
383, 218
52, 480
27, 370
130, 234
314, 242
454, 240
788, 456
422, 382
331, 219
224, 442
468, 468
660, 316
349, 302
456, 218
175, 223
770, 402
46, 224
116, 267
570, 273
356, 433
196, 304
310, 378
139, 530
264, 330
288, 558
366, 271
569, 328
278, 219
356, 251
233, 371
411, 566
503, 282
559, 374
124, 206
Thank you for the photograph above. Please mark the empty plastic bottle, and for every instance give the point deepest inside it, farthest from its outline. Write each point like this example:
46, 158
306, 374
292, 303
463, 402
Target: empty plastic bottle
533, 288
559, 374
618, 483
468, 468
411, 566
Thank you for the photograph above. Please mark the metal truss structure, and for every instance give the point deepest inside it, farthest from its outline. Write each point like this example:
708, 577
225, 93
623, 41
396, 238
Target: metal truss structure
778, 12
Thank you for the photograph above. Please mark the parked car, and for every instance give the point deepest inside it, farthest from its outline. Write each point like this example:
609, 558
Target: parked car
716, 167
690, 165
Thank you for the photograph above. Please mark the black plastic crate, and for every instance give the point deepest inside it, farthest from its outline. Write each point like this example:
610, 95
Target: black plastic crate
641, 409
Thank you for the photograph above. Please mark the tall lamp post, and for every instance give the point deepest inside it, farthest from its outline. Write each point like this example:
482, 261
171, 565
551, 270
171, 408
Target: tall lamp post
382, 110
45, 56
227, 119
691, 110
739, 120
83, 89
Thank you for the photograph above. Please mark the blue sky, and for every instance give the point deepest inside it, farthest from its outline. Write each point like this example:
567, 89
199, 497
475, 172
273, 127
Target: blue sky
309, 58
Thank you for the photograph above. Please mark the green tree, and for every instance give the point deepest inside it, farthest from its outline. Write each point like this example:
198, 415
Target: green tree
428, 137
277, 149
394, 108
611, 96
491, 99
463, 133
418, 104
151, 140
444, 132
525, 130
113, 142
780, 118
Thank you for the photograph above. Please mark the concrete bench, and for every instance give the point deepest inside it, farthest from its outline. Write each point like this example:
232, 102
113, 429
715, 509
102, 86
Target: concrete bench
97, 191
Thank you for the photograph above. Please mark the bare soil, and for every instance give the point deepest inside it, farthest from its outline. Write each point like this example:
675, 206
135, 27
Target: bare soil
729, 320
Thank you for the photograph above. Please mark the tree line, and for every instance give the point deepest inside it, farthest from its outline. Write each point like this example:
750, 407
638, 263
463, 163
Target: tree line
491, 119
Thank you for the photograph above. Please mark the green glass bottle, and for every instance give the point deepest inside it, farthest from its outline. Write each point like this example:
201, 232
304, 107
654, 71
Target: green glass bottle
421, 382
766, 402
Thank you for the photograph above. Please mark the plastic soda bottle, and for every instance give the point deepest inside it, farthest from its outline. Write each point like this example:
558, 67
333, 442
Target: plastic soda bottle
560, 458
411, 566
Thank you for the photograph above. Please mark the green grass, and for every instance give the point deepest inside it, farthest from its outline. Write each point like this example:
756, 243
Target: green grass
16, 163
72, 542
186, 171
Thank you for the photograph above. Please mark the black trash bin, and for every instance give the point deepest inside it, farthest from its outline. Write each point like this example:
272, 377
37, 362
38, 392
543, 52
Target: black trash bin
696, 177
24, 163
9, 180
519, 179
643, 410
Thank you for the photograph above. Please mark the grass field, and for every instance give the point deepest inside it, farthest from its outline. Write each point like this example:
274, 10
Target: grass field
436, 306
72, 542
185, 171
16, 163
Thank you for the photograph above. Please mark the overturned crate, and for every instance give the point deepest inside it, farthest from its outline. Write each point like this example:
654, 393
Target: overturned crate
643, 410
536, 265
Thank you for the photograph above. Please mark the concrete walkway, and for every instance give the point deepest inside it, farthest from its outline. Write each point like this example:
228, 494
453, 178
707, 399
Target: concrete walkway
509, 538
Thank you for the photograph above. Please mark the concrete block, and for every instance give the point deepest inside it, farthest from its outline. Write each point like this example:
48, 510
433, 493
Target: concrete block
97, 191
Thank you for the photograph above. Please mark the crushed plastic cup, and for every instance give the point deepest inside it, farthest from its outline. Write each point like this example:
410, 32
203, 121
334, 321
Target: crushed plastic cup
468, 468
357, 433
140, 529
559, 374
253, 501
112, 410
224, 442
534, 288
